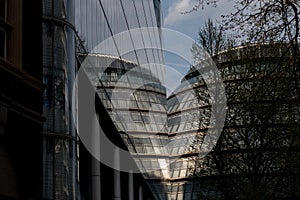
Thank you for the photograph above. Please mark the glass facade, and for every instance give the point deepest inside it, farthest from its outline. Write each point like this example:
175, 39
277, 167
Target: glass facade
60, 168
261, 114
136, 102
100, 20
156, 131
189, 112
127, 74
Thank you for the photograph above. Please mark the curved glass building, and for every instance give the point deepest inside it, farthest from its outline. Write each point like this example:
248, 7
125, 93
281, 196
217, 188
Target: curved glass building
262, 116
136, 102
189, 112
122, 44
60, 180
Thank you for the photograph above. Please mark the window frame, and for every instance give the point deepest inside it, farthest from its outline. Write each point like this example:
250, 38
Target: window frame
5, 27
4, 44
5, 10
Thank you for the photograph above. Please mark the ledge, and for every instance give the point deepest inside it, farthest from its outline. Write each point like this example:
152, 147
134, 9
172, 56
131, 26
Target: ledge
21, 110
21, 75
5, 25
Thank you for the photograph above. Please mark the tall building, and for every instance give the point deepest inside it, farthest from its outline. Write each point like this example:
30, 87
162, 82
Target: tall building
121, 55
59, 136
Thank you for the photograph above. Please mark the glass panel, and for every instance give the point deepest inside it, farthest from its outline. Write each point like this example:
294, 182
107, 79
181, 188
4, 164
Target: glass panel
2, 43
3, 9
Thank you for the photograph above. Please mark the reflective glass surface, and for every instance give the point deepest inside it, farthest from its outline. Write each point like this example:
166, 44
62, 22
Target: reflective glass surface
133, 95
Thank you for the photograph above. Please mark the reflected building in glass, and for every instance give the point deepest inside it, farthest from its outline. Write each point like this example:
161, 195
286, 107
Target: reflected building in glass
122, 46
136, 102
130, 88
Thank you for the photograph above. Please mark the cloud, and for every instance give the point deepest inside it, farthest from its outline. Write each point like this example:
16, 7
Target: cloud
190, 23
174, 12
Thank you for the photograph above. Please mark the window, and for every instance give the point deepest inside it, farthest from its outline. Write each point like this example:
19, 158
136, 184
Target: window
137, 117
2, 43
3, 9
3, 30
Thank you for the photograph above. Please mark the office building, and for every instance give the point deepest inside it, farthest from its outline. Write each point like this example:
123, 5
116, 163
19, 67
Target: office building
21, 91
120, 74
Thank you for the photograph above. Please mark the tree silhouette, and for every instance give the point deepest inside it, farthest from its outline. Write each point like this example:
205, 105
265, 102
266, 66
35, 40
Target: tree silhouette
257, 154
211, 38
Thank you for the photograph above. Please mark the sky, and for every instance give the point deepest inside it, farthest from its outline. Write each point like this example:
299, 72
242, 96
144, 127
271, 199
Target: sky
188, 26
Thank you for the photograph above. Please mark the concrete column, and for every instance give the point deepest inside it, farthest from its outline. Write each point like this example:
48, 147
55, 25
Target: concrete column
130, 186
96, 180
117, 175
140, 193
